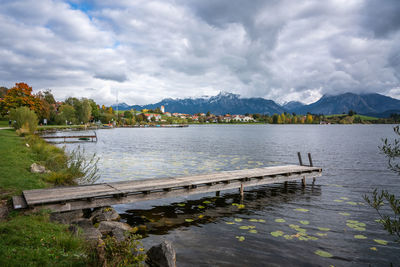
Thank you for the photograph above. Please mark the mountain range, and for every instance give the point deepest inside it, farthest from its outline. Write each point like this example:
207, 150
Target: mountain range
227, 103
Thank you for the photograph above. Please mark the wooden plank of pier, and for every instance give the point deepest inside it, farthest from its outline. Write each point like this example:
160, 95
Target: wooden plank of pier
90, 196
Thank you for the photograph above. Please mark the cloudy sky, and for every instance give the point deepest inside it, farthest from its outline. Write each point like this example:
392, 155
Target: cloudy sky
149, 50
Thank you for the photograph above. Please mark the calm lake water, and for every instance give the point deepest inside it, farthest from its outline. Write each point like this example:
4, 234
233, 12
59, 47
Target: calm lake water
278, 226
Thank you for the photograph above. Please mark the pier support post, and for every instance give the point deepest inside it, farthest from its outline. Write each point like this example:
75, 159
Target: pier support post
241, 190
311, 165
300, 160
303, 181
286, 184
217, 193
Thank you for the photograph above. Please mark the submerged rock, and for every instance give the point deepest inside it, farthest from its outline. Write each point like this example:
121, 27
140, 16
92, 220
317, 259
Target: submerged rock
107, 227
162, 255
104, 214
36, 168
67, 217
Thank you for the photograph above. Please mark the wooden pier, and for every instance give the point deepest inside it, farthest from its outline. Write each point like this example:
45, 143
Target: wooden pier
91, 138
90, 196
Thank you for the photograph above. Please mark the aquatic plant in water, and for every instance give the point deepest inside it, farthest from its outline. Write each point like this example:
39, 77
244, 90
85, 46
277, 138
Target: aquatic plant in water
302, 210
240, 238
323, 253
280, 220
381, 242
277, 233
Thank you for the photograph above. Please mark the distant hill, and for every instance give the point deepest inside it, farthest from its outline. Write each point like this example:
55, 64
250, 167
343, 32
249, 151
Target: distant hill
223, 103
292, 105
361, 103
369, 104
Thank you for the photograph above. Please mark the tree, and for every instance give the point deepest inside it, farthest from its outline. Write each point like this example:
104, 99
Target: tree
95, 110
390, 219
128, 114
25, 119
351, 113
208, 113
275, 118
309, 118
3, 91
18, 96
66, 113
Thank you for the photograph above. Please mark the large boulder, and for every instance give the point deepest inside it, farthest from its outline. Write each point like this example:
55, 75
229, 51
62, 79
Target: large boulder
67, 217
36, 168
90, 233
107, 227
104, 214
162, 255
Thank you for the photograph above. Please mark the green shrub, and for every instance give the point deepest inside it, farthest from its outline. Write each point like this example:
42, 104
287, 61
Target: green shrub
25, 119
124, 253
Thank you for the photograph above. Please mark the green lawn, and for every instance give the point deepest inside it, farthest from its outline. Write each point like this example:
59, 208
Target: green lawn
16, 160
3, 123
31, 240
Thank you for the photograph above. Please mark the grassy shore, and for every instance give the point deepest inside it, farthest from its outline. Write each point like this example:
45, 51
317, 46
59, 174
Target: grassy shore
31, 240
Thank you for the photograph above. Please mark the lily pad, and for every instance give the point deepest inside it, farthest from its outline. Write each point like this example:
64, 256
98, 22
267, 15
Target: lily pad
253, 231
201, 216
189, 220
253, 220
261, 220
235, 204
229, 222
238, 219
241, 206
381, 242
280, 220
207, 202
244, 227
277, 233
373, 248
323, 253
302, 210
321, 234
344, 198
344, 213
351, 203
380, 221
304, 222
201, 207
181, 204
324, 229
240, 238
360, 237
288, 237
338, 200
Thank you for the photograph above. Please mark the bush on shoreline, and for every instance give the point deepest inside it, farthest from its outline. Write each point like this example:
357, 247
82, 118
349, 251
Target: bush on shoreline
25, 120
66, 169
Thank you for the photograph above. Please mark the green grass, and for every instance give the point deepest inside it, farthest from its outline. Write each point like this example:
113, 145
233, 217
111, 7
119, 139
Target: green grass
34, 241
3, 123
16, 159
59, 127
31, 240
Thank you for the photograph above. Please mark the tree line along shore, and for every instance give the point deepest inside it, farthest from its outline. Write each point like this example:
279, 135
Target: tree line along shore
74, 111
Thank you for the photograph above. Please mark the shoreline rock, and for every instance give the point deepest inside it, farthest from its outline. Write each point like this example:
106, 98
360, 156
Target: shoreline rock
162, 255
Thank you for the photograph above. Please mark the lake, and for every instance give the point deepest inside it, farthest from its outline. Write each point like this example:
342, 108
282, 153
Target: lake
274, 226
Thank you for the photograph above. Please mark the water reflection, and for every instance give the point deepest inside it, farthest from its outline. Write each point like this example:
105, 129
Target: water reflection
161, 219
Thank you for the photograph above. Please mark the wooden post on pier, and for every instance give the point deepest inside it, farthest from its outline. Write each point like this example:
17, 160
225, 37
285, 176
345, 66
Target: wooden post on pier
300, 160
311, 165
217, 193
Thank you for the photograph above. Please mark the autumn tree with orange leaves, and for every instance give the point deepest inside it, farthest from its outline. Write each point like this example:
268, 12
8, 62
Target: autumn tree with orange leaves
21, 95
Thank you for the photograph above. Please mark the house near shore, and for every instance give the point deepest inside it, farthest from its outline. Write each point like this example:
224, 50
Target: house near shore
149, 116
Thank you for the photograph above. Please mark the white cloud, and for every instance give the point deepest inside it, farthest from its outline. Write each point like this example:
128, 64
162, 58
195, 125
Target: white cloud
150, 50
